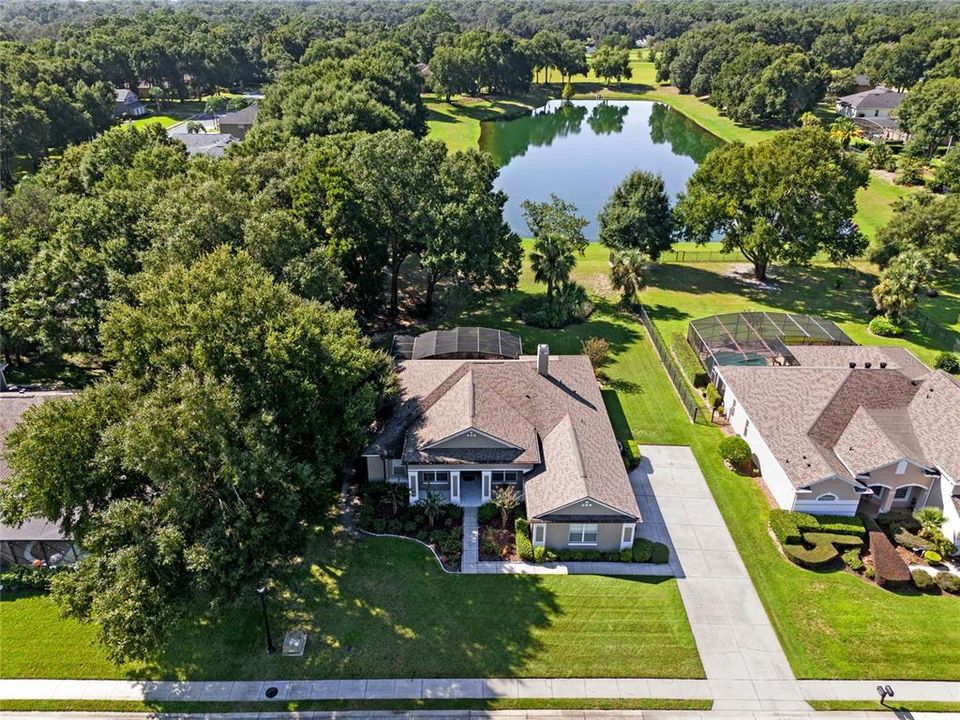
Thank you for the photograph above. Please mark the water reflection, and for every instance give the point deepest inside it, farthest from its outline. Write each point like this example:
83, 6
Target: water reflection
555, 151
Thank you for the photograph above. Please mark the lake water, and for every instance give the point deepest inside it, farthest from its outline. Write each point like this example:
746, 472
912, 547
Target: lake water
582, 150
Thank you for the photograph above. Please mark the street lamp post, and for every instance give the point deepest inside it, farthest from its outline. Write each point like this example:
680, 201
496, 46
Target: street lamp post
262, 592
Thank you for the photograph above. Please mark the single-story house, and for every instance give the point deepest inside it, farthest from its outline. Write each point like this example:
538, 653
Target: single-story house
127, 104
239, 122
470, 424
209, 144
877, 102
37, 539
850, 429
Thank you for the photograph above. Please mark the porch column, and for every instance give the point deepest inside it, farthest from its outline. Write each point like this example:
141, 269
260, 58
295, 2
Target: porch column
627, 531
455, 487
414, 486
485, 483
888, 496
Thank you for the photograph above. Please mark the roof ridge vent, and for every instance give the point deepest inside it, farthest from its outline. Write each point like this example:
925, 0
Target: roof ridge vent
581, 473
471, 398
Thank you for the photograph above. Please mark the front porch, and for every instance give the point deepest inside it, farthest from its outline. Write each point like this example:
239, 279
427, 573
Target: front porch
463, 487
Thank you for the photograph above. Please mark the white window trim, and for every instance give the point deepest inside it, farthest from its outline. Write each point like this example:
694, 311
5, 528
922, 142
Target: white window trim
539, 534
583, 531
828, 497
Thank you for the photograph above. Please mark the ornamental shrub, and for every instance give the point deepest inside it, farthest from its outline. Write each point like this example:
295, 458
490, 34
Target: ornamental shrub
931, 556
642, 550
851, 558
659, 554
735, 450
539, 553
486, 513
923, 580
597, 349
840, 525
626, 555
891, 570
909, 171
786, 525
631, 454
948, 583
524, 546
883, 326
879, 156
26, 578
822, 548
714, 398
947, 361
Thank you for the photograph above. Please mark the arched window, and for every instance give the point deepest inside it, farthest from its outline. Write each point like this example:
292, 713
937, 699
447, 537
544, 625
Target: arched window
829, 497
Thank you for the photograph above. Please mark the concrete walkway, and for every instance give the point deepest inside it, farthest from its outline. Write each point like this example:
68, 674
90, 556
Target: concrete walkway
471, 541
741, 654
574, 568
490, 715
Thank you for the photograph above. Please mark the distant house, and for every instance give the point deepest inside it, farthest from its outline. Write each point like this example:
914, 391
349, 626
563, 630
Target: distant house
239, 122
475, 416
878, 102
209, 144
127, 104
863, 83
37, 540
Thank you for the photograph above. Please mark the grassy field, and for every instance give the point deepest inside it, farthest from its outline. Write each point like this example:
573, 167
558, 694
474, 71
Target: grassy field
383, 608
832, 625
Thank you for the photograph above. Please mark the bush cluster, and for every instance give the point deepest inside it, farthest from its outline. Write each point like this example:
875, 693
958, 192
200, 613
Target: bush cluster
486, 513
947, 361
564, 308
714, 398
26, 578
818, 549
647, 551
851, 558
788, 526
631, 454
735, 450
524, 544
688, 361
923, 580
948, 583
883, 326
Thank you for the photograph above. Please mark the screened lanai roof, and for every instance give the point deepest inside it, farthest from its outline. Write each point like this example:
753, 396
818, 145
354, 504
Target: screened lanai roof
759, 338
458, 343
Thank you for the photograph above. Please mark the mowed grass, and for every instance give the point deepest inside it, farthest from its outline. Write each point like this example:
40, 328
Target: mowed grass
832, 625
383, 608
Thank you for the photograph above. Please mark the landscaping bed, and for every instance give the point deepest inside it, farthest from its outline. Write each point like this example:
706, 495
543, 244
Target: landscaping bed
498, 540
384, 510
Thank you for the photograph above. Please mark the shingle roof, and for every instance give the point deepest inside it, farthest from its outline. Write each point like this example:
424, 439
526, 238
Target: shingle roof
209, 144
824, 421
879, 98
244, 116
126, 96
840, 356
508, 399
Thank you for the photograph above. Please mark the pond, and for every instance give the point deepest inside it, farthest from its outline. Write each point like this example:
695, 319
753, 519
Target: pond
582, 150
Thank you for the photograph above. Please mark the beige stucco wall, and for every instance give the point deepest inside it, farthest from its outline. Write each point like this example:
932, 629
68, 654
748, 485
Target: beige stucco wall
608, 537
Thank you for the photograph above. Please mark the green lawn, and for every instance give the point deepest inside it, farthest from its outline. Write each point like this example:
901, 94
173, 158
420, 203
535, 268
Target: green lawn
832, 625
383, 608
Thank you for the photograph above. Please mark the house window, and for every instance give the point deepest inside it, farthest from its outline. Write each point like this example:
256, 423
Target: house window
539, 531
434, 478
879, 491
746, 428
829, 497
583, 534
627, 536
901, 493
901, 467
733, 406
505, 477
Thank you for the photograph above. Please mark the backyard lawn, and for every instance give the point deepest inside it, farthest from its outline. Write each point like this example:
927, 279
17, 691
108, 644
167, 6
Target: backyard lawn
832, 625
383, 608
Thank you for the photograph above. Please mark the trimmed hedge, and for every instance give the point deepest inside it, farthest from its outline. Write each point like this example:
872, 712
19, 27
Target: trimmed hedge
631, 454
891, 570
642, 550
659, 554
714, 398
735, 450
885, 327
948, 583
26, 578
822, 550
524, 545
789, 526
923, 580
851, 558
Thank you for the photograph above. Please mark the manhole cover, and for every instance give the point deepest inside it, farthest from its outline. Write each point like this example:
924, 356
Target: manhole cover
271, 692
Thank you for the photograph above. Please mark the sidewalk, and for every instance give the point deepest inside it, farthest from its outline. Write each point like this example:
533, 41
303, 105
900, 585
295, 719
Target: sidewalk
493, 715
470, 560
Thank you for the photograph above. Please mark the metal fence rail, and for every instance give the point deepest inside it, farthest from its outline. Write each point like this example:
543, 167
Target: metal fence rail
689, 402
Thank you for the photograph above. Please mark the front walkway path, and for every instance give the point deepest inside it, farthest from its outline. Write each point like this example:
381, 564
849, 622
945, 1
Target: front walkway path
740, 652
471, 541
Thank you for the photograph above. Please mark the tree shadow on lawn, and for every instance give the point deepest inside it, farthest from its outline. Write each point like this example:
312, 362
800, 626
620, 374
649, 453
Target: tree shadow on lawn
374, 607
834, 293
618, 418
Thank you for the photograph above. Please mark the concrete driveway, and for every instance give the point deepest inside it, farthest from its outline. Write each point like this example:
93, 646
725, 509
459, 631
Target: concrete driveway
740, 651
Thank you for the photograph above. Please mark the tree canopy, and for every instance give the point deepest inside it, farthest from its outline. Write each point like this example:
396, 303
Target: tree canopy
781, 200
638, 216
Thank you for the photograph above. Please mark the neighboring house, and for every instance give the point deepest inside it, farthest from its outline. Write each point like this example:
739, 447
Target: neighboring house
209, 144
127, 104
475, 415
35, 540
863, 83
847, 429
878, 102
238, 123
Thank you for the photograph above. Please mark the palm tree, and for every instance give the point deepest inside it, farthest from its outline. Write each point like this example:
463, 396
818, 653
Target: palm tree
930, 518
552, 261
843, 130
628, 272
901, 283
432, 505
394, 494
